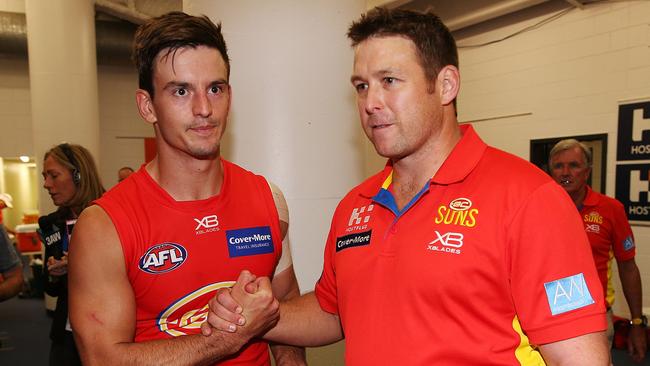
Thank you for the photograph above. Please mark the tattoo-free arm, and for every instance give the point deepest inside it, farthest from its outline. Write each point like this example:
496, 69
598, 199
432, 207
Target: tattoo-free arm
586, 350
102, 307
12, 282
631, 281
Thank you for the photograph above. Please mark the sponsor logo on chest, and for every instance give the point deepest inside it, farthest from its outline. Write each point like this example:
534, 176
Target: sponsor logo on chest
447, 243
163, 258
206, 224
249, 241
593, 218
458, 212
359, 218
353, 240
186, 315
592, 228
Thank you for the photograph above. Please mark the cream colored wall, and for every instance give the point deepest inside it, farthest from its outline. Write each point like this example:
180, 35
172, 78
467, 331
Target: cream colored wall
15, 114
568, 76
21, 181
121, 128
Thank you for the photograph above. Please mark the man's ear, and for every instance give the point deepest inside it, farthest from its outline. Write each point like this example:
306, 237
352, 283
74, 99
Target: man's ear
449, 84
145, 106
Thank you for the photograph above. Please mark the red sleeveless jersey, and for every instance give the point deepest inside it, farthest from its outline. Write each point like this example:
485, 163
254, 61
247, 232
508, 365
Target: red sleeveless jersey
177, 254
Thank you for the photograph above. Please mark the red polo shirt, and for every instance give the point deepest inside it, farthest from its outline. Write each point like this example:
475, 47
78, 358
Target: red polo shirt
609, 234
489, 247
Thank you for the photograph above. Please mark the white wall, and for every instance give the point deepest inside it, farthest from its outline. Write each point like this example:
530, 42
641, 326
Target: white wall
121, 128
569, 75
15, 113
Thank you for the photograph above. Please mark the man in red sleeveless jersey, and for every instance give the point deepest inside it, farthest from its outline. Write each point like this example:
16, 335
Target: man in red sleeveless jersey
145, 260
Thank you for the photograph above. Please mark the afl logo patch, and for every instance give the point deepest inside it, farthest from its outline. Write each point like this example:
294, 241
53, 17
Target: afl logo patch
186, 315
163, 258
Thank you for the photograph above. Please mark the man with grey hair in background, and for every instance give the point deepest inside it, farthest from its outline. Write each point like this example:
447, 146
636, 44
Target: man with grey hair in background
609, 234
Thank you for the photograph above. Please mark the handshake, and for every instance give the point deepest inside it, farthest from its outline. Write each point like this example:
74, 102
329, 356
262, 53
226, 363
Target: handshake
249, 306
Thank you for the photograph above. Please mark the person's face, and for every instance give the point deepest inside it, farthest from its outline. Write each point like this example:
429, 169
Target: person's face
122, 174
399, 109
2, 204
57, 180
569, 168
191, 101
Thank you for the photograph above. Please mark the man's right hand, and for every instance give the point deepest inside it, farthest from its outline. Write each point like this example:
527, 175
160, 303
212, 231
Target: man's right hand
249, 305
58, 267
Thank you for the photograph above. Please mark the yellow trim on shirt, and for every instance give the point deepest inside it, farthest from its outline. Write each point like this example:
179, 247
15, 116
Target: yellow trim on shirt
525, 353
388, 181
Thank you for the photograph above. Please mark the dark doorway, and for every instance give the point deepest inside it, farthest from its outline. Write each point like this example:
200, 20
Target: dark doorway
539, 150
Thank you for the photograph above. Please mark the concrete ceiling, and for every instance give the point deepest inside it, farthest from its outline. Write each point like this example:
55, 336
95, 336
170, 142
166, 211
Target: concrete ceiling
457, 14
461, 14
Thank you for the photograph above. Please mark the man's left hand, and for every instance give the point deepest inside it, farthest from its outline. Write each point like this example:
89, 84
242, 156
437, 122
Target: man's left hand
636, 343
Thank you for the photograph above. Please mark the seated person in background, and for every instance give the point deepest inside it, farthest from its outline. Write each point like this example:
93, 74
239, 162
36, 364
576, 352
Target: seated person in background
123, 173
11, 268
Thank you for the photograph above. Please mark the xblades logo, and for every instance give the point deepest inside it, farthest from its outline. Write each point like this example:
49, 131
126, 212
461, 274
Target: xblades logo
207, 224
450, 243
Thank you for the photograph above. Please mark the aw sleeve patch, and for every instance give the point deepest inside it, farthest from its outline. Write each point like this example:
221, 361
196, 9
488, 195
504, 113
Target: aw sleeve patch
568, 294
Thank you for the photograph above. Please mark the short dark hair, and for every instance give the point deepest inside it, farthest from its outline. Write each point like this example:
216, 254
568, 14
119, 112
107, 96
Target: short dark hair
435, 45
171, 32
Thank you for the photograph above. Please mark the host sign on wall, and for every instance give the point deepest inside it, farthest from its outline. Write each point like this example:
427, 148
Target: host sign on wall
632, 174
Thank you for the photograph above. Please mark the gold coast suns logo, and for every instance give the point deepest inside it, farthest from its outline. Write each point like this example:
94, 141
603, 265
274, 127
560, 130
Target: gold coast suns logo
593, 218
458, 212
186, 315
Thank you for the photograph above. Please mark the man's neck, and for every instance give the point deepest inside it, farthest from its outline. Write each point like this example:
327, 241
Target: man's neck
579, 196
187, 179
411, 173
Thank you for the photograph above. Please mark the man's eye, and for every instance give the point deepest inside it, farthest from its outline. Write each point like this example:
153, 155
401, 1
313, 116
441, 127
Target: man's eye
361, 87
180, 92
389, 80
215, 89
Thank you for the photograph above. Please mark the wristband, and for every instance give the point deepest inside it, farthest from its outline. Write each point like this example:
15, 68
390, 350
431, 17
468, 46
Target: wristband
642, 321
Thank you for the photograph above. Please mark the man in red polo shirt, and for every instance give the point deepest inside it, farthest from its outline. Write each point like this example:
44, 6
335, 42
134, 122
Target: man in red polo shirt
456, 253
609, 234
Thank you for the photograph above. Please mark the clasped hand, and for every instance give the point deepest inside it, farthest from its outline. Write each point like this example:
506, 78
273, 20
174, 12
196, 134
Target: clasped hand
58, 267
249, 306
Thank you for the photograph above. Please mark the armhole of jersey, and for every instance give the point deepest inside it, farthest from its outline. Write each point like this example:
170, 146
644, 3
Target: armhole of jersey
283, 214
109, 210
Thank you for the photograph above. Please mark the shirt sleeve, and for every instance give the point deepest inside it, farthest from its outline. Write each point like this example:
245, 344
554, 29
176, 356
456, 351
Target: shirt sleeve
8, 257
326, 286
623, 245
555, 287
283, 214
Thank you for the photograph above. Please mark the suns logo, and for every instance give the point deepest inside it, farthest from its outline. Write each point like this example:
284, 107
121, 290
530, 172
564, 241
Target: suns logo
459, 212
593, 217
163, 258
186, 315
